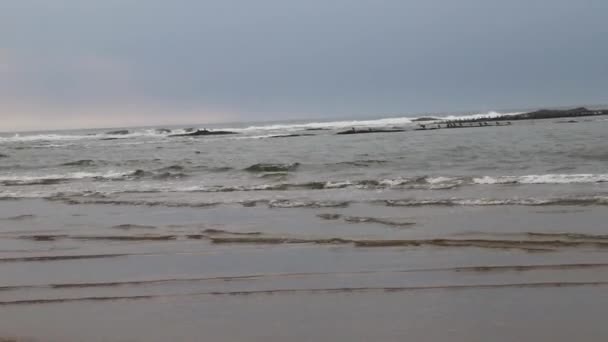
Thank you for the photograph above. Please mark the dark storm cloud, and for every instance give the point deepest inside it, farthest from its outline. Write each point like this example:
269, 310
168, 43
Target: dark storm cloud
85, 62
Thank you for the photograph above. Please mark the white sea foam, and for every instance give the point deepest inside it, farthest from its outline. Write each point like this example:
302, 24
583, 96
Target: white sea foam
394, 182
72, 137
590, 200
544, 179
326, 125
489, 115
440, 179
66, 176
337, 185
43, 137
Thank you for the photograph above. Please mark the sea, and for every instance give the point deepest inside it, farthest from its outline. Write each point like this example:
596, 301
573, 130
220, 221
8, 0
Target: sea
287, 231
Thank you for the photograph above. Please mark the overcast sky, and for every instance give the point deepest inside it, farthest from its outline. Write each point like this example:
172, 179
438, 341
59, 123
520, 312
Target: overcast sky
91, 63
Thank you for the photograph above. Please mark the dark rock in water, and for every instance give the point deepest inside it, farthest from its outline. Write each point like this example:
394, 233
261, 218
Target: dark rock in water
171, 168
119, 132
292, 135
197, 152
249, 204
41, 238
133, 226
317, 129
220, 169
261, 167
163, 130
212, 231
3, 155
189, 129
424, 118
83, 162
329, 216
20, 217
139, 173
370, 130
202, 132
108, 139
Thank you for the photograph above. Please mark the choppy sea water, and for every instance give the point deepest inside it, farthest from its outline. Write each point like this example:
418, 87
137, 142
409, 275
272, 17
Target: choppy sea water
150, 222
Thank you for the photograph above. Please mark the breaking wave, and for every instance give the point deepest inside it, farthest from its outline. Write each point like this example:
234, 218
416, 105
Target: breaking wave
421, 182
326, 125
152, 133
544, 179
410, 183
61, 178
488, 115
64, 178
578, 201
148, 203
44, 137
278, 172
95, 198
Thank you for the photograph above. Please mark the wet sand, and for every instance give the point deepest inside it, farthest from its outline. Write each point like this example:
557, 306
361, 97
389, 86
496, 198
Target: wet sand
364, 271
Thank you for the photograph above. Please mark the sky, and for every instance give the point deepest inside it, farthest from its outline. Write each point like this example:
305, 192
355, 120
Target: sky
111, 63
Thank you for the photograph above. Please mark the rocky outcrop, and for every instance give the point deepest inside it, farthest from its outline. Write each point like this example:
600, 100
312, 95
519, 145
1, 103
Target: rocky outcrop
539, 114
292, 135
202, 132
370, 130
266, 167
563, 113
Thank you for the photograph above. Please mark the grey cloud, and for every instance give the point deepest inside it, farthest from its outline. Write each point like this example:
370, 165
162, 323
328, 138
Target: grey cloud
273, 59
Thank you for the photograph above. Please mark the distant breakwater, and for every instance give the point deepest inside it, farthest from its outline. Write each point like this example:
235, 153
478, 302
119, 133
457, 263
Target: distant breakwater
539, 114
